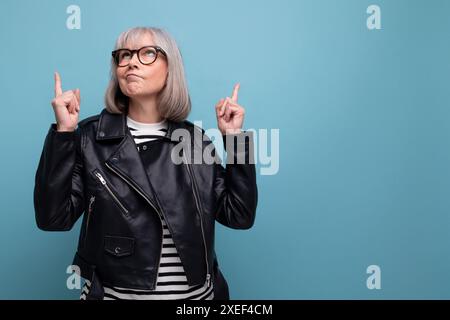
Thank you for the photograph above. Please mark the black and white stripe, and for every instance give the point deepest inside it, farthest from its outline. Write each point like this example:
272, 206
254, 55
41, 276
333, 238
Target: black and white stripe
144, 132
171, 282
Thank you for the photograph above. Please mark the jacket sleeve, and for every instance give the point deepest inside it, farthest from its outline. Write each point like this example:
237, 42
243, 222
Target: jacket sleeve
58, 190
235, 185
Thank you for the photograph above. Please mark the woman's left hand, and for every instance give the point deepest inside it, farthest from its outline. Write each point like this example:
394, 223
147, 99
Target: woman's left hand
230, 115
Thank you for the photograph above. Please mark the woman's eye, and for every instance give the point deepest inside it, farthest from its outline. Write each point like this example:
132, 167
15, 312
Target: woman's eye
149, 53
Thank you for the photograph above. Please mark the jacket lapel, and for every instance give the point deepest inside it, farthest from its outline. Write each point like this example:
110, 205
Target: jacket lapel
125, 160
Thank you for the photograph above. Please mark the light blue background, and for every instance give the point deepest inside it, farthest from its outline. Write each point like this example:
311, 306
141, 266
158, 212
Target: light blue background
364, 136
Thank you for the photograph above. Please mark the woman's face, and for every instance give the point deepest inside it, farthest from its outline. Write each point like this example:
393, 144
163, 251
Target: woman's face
138, 80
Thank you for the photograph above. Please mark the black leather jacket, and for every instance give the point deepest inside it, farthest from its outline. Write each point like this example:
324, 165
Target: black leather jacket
97, 170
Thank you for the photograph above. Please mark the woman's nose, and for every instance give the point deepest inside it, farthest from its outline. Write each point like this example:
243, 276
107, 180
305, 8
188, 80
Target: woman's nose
134, 61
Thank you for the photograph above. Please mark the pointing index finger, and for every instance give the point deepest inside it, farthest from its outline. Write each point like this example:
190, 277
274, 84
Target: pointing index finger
58, 89
234, 97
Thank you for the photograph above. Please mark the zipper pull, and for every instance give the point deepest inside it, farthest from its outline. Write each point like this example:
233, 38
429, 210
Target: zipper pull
208, 280
99, 176
91, 201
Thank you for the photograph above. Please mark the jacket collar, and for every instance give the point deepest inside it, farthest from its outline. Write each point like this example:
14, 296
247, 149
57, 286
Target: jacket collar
114, 126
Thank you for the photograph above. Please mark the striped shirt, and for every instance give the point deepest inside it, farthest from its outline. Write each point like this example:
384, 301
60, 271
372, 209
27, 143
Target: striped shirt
171, 283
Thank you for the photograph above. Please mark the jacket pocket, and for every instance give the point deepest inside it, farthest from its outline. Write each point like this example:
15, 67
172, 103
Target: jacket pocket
108, 187
119, 246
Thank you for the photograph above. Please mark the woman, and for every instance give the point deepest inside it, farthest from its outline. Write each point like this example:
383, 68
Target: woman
149, 208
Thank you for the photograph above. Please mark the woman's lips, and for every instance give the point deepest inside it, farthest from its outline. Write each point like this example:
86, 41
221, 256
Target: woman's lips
132, 77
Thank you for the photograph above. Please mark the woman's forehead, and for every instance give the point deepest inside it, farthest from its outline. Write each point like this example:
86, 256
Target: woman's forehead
139, 42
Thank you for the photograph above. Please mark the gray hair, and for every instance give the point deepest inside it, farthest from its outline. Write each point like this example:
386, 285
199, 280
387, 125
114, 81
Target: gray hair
173, 101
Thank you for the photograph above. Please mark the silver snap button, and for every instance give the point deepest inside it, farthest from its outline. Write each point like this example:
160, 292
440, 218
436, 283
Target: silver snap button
114, 159
117, 250
101, 134
144, 147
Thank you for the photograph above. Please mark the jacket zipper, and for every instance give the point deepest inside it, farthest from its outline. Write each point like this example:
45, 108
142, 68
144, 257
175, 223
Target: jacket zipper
103, 181
152, 205
200, 212
91, 202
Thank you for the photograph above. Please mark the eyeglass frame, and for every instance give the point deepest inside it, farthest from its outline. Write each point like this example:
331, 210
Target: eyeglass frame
157, 48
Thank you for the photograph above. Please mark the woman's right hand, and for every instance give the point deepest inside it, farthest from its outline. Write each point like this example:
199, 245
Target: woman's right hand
66, 106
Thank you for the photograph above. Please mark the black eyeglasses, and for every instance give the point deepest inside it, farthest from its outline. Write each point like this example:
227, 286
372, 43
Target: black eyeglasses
146, 55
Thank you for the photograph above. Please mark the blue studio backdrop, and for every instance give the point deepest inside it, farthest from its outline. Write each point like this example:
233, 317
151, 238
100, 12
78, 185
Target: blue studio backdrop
355, 92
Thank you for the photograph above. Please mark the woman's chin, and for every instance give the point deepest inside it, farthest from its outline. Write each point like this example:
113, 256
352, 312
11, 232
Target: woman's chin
139, 93
134, 92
